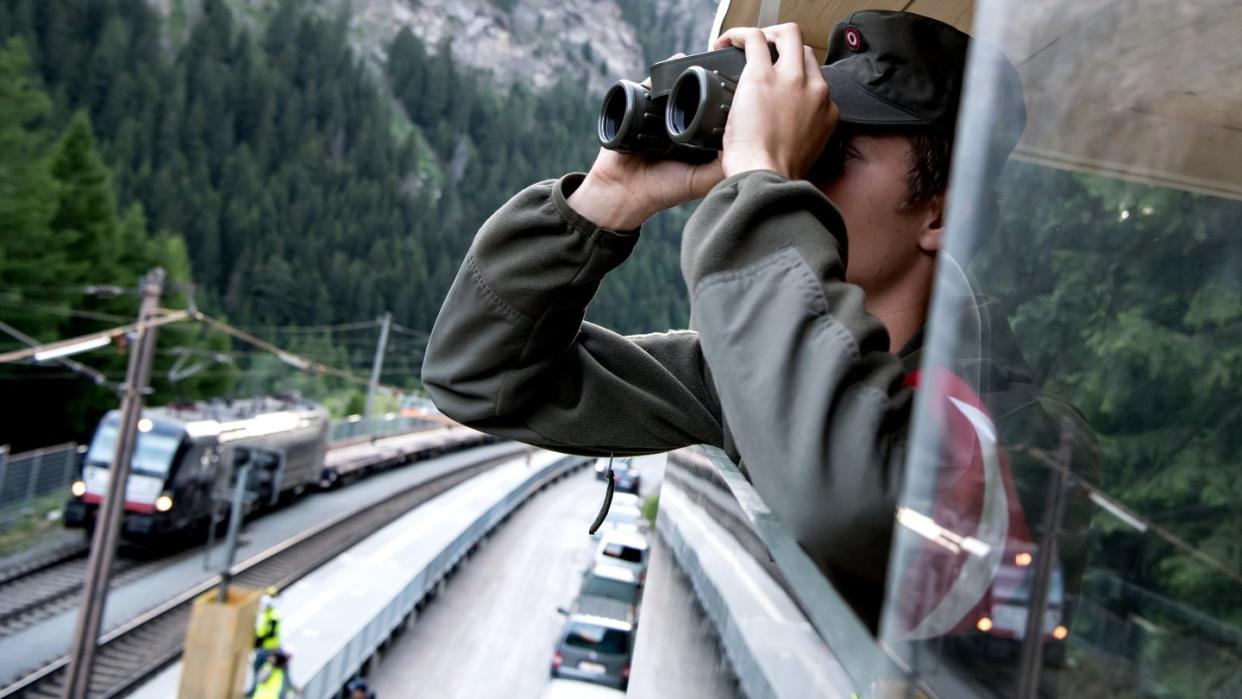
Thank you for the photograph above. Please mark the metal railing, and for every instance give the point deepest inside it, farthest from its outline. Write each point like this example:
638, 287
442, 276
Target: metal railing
391, 423
353, 654
782, 627
26, 477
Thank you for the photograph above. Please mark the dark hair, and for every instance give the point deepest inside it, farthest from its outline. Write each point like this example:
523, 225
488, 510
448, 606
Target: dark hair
930, 156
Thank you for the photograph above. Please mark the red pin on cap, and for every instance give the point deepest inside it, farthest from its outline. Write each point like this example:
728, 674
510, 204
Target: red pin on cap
853, 39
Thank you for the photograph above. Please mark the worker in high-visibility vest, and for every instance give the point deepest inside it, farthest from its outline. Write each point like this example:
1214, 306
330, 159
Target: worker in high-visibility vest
266, 629
273, 680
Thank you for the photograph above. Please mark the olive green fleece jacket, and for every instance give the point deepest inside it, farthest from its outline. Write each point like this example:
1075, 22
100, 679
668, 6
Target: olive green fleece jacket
783, 369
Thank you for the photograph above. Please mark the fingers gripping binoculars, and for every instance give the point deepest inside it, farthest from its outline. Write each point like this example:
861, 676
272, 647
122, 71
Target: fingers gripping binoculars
682, 115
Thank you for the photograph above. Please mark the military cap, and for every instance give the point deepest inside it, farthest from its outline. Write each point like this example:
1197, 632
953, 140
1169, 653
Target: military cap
888, 68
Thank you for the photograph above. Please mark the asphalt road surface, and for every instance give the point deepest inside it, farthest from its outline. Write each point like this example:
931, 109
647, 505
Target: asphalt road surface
491, 632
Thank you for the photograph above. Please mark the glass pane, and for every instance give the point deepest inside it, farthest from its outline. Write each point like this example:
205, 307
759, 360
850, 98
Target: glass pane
1069, 525
152, 454
597, 586
597, 638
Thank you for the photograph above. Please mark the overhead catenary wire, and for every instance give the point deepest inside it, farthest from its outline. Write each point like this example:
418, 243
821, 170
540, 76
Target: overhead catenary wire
110, 334
64, 312
1132, 518
292, 358
407, 331
78, 368
306, 329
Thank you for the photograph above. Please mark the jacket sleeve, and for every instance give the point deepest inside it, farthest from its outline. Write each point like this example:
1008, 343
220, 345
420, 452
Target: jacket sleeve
813, 399
511, 355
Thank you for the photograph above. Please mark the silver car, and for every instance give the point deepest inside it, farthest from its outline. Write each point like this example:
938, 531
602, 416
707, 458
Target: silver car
623, 547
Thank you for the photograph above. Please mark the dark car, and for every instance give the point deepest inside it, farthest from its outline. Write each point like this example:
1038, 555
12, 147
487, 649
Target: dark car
596, 643
628, 480
618, 465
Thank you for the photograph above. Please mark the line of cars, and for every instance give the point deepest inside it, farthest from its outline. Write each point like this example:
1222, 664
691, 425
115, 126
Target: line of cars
596, 643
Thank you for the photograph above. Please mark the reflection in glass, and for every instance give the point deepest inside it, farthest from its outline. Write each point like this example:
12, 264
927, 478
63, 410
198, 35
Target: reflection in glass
1070, 522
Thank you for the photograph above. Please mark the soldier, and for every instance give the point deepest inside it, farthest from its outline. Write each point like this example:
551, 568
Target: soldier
800, 366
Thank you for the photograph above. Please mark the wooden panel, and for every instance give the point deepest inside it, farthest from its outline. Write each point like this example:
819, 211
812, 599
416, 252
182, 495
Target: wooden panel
816, 18
959, 13
1149, 90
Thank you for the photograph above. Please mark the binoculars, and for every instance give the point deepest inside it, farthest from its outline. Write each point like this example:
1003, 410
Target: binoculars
682, 115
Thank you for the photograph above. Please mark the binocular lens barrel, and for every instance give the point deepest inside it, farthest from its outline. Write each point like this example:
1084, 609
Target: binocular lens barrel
617, 115
682, 116
630, 121
698, 107
684, 104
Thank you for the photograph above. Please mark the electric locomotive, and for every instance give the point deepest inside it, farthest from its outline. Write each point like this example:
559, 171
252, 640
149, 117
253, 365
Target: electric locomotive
186, 456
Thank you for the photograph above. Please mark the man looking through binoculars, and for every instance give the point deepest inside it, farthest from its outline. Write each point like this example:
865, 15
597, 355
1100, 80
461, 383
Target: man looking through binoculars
799, 365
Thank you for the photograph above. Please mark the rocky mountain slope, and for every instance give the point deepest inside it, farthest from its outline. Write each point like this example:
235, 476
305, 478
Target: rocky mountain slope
536, 42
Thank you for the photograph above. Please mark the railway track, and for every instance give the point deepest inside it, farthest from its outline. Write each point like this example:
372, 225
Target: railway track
136, 650
29, 598
52, 583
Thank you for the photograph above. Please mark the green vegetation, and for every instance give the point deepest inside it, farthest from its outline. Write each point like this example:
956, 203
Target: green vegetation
1127, 300
272, 171
262, 162
29, 530
660, 33
651, 508
64, 229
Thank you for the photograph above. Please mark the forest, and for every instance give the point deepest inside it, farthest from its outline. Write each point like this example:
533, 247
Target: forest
273, 171
296, 190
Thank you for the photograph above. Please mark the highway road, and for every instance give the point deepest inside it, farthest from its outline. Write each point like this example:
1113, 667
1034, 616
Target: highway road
491, 632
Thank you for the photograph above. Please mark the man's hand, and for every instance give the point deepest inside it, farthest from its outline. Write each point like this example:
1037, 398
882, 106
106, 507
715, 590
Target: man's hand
621, 190
782, 113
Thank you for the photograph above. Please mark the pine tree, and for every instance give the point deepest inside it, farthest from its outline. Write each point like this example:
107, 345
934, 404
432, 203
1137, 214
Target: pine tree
85, 223
29, 257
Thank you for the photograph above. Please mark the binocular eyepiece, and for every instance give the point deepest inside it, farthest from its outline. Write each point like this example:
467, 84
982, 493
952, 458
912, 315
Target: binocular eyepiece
682, 115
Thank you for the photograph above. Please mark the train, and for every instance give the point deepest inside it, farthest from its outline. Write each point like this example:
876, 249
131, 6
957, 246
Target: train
186, 456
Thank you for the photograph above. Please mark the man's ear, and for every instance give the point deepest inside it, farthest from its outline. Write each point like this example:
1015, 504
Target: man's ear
931, 236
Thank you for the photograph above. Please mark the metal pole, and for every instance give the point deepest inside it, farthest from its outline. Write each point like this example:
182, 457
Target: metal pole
4, 465
36, 466
108, 524
1045, 557
376, 366
235, 518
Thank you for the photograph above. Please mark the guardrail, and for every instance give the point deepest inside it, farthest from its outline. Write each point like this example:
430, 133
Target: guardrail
780, 624
332, 676
31, 475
